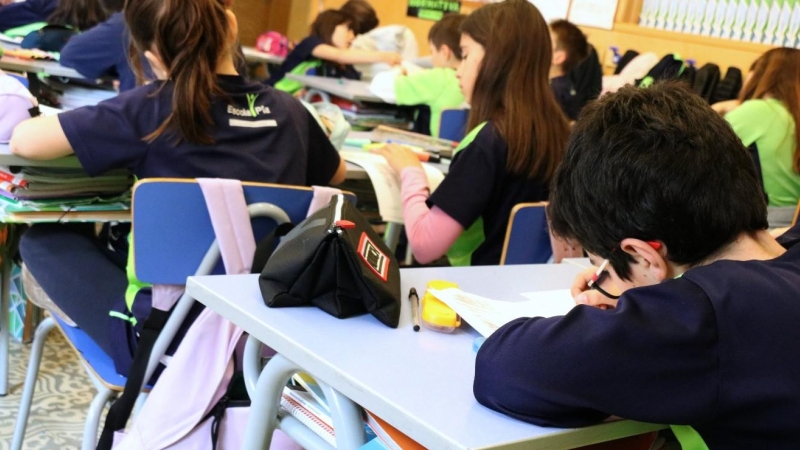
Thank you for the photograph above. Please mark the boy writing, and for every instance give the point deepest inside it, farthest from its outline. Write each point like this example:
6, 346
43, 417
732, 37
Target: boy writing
660, 191
435, 88
570, 48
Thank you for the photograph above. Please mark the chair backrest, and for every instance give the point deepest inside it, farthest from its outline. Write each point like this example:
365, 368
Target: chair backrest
453, 124
706, 81
172, 229
527, 237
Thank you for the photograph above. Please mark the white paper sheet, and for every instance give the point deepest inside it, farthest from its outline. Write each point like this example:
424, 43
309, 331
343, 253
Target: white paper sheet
387, 183
552, 10
486, 315
593, 13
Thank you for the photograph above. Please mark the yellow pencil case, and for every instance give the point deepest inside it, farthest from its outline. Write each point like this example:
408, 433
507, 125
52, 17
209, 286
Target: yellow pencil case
436, 315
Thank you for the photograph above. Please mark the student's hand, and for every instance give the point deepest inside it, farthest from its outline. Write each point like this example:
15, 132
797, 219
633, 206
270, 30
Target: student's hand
583, 295
392, 58
726, 106
398, 157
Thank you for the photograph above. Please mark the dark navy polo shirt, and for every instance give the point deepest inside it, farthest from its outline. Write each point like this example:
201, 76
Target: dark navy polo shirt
24, 13
479, 186
566, 96
281, 143
301, 53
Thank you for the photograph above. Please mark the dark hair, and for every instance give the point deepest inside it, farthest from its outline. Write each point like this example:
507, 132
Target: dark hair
189, 36
572, 41
80, 14
364, 17
514, 92
655, 164
447, 31
327, 21
112, 6
776, 74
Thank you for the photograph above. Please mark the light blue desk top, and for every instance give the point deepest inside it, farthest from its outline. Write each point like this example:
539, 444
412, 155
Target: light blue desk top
419, 382
353, 90
252, 54
51, 68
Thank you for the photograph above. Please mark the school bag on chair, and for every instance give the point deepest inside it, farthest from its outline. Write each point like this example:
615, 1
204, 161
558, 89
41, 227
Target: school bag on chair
16, 104
273, 43
706, 81
728, 88
184, 410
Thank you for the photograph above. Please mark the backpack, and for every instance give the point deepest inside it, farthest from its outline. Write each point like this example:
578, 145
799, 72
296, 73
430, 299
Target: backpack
51, 38
17, 105
273, 43
706, 81
728, 88
670, 67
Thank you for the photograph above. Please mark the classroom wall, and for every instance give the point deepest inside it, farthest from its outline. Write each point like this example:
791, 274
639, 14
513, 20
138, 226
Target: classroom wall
626, 33
258, 16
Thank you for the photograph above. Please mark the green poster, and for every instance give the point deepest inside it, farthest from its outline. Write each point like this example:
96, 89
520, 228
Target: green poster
432, 9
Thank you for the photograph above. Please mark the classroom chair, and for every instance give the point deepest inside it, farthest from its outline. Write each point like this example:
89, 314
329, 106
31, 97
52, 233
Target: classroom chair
453, 124
173, 239
527, 236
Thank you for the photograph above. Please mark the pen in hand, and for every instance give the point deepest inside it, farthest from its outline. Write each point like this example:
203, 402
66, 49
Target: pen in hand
414, 299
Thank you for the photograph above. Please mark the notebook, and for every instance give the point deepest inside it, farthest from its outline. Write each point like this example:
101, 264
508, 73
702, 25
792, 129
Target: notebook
302, 406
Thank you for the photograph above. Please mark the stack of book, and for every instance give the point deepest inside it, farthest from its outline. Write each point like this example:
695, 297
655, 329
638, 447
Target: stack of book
47, 193
370, 115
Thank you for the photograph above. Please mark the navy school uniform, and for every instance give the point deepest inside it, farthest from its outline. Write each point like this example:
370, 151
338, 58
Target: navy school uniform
282, 143
30, 11
479, 193
102, 51
715, 349
302, 53
567, 97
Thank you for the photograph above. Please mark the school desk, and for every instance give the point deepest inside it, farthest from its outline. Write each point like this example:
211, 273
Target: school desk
420, 382
253, 55
9, 159
353, 90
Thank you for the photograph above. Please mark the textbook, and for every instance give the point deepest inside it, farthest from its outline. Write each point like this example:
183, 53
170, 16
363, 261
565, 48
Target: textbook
302, 406
487, 315
387, 436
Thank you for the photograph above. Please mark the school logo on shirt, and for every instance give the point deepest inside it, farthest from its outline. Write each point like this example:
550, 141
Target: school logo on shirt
374, 258
252, 111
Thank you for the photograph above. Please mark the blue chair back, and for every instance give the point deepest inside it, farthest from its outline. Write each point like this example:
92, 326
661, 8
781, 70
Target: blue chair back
453, 124
172, 228
527, 237
21, 79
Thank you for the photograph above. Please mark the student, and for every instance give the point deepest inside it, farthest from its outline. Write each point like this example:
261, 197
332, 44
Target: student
328, 50
364, 17
517, 139
435, 88
199, 120
25, 13
702, 336
570, 48
103, 50
768, 119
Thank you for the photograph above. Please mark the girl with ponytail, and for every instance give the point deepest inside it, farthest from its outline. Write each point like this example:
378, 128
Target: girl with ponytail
197, 119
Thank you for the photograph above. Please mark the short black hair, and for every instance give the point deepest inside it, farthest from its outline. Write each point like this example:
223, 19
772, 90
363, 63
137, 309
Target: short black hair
572, 41
655, 164
112, 6
365, 18
447, 31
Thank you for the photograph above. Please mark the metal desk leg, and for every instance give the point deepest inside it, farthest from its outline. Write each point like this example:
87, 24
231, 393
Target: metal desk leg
265, 402
392, 234
5, 304
346, 415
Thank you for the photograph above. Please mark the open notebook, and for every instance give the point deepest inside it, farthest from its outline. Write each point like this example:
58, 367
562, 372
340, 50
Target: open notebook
487, 315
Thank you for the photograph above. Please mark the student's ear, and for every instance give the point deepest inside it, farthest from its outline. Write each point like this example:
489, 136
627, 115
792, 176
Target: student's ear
650, 266
446, 51
158, 67
559, 56
233, 26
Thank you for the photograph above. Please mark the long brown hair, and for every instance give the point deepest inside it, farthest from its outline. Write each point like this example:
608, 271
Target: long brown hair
189, 37
364, 17
80, 14
512, 88
776, 74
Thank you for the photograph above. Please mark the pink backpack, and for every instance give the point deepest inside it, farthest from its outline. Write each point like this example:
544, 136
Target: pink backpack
273, 43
